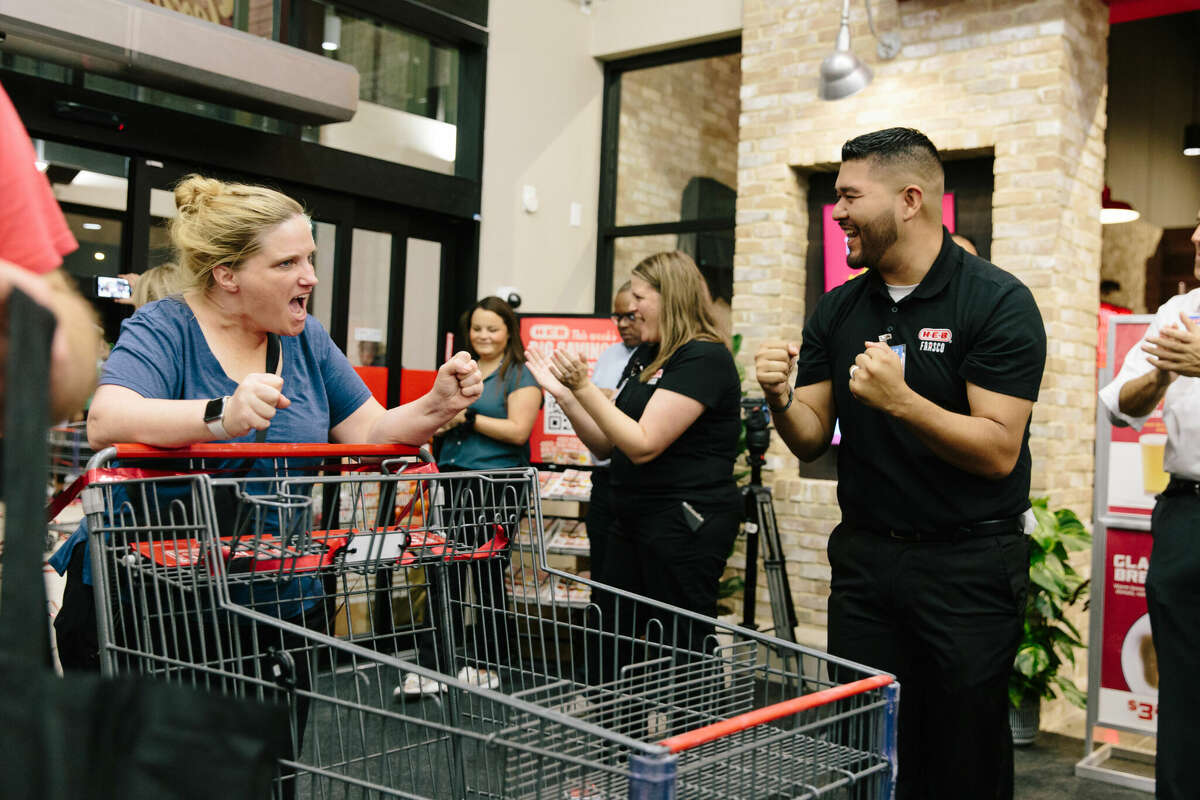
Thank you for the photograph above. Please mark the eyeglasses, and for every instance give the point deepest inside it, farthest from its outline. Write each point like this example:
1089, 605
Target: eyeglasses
630, 316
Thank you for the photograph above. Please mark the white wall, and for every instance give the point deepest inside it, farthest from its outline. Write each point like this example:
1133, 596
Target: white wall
629, 27
542, 129
394, 135
1151, 97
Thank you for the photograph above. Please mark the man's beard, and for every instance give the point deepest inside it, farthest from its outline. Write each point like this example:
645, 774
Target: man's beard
874, 239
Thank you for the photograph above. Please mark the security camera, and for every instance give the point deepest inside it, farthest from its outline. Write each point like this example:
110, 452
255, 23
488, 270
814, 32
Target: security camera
510, 295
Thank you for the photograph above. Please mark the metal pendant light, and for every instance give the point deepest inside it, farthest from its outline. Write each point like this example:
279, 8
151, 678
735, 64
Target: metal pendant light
1113, 211
842, 73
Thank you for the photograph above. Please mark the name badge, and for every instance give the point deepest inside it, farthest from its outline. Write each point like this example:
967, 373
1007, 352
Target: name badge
899, 350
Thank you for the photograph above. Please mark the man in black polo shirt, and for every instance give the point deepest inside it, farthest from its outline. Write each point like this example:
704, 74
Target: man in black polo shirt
932, 361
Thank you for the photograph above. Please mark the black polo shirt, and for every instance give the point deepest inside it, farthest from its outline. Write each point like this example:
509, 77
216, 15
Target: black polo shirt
968, 320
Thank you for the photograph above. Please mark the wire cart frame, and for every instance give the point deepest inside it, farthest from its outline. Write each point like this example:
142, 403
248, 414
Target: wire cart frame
334, 584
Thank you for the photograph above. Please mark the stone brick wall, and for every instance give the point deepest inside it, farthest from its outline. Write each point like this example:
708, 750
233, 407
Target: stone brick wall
1023, 80
677, 122
261, 18
1126, 248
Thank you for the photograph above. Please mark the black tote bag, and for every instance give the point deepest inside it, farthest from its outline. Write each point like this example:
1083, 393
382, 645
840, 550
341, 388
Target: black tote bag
84, 736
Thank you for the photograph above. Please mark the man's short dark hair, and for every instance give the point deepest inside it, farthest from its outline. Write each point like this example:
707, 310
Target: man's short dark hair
906, 148
1107, 286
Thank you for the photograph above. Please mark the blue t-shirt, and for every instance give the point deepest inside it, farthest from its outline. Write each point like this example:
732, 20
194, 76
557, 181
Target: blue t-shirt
162, 354
470, 449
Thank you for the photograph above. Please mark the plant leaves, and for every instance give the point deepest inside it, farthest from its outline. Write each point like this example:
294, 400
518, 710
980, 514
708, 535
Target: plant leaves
1031, 659
1046, 606
1045, 579
1071, 692
730, 586
1050, 639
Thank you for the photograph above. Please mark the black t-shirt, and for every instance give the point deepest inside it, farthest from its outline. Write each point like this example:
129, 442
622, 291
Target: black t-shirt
701, 459
968, 320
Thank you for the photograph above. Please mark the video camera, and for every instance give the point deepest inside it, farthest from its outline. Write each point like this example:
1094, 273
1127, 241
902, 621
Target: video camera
757, 420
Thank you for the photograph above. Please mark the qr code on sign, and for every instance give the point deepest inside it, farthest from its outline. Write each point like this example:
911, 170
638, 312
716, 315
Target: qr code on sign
555, 421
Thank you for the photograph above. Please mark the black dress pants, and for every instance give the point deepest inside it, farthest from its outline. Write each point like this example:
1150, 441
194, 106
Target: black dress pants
469, 518
654, 551
1173, 597
599, 521
946, 619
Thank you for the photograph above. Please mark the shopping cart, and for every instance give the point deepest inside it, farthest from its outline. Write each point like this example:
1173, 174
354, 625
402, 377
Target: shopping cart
69, 451
330, 583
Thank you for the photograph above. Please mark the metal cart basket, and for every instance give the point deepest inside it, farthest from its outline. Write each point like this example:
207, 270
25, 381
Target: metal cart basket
336, 584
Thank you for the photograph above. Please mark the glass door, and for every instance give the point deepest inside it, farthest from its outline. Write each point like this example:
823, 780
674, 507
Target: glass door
401, 317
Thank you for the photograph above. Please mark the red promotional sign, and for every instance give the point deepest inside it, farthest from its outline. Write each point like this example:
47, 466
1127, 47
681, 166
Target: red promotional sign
1128, 666
553, 441
1135, 458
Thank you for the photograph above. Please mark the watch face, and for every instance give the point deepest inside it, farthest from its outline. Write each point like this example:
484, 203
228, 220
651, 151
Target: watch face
214, 410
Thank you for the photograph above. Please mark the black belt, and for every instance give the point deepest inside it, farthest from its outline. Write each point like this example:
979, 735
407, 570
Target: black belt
1010, 526
1178, 486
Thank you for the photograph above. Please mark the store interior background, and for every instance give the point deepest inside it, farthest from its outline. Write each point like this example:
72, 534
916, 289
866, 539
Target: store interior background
565, 213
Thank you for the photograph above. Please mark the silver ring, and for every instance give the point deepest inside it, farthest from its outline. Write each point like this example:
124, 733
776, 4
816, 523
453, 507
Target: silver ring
852, 368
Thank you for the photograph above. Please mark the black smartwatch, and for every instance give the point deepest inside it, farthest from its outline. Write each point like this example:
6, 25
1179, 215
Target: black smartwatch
214, 417
469, 422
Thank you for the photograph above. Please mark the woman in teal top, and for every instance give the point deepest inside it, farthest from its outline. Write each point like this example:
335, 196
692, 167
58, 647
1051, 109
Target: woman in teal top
492, 433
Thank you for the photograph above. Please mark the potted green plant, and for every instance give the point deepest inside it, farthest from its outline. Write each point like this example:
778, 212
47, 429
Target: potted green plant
1049, 639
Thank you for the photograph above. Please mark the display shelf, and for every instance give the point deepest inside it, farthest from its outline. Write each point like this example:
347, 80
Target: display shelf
573, 485
565, 536
529, 585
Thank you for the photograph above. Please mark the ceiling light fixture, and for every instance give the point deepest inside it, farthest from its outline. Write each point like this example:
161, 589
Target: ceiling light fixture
1191, 140
1115, 211
332, 38
99, 256
842, 73
91, 226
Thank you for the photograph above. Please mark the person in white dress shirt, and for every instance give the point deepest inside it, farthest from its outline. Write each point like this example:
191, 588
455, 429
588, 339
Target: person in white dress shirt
1164, 366
610, 368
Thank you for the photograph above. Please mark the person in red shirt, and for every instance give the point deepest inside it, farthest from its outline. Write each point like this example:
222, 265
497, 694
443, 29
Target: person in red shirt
33, 239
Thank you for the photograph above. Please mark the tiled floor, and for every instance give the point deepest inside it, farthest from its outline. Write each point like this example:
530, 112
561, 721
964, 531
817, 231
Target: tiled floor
1046, 771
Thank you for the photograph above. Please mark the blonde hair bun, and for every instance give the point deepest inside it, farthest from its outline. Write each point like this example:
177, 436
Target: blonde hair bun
196, 191
221, 223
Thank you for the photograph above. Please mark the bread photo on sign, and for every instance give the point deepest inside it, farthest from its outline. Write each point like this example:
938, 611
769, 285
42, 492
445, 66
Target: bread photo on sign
1149, 660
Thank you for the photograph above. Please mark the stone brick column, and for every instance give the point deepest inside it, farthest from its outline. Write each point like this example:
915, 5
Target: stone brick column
1024, 81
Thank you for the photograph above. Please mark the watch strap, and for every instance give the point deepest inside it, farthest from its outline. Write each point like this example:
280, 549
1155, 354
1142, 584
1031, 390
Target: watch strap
216, 424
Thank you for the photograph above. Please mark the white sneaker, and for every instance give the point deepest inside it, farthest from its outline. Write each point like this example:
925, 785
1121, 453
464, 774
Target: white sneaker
417, 686
483, 678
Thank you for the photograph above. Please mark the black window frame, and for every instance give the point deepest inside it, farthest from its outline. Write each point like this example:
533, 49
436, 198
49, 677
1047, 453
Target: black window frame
607, 231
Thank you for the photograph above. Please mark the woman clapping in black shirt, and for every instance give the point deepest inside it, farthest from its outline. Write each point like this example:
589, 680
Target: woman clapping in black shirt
672, 431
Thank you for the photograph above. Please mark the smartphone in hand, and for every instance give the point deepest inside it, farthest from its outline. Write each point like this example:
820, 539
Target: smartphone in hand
107, 286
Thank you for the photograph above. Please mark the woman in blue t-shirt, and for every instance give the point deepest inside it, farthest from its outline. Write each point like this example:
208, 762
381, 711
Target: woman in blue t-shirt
492, 434
194, 367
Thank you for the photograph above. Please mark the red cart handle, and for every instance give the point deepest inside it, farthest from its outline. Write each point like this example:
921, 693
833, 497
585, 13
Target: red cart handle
228, 450
699, 736
269, 450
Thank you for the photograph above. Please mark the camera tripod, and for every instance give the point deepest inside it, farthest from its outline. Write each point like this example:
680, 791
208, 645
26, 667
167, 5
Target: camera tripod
759, 519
